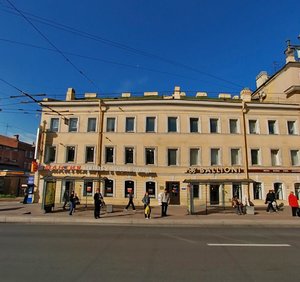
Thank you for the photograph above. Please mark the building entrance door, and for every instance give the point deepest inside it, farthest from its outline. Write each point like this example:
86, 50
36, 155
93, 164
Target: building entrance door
174, 190
214, 194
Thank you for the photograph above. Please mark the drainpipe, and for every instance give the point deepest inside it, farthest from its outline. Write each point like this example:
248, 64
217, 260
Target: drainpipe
244, 111
102, 110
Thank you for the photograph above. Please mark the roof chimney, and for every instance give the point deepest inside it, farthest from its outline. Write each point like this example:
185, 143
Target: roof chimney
70, 94
261, 78
289, 53
246, 95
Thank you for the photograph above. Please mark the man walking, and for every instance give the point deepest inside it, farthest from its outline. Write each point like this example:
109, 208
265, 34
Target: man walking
165, 200
130, 202
98, 199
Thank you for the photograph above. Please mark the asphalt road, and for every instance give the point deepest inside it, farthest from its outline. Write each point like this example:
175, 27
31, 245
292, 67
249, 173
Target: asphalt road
105, 253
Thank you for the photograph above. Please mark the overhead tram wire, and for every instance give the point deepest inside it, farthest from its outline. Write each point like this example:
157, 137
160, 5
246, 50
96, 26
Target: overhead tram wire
32, 98
53, 45
124, 47
96, 59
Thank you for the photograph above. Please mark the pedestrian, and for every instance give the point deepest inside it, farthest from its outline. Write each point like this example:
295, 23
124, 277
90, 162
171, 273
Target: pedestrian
147, 208
270, 198
66, 199
25, 195
165, 200
237, 205
72, 203
293, 202
98, 201
130, 201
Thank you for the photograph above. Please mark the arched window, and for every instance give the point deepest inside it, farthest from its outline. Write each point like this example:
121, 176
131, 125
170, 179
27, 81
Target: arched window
257, 191
297, 190
278, 191
108, 188
150, 188
129, 187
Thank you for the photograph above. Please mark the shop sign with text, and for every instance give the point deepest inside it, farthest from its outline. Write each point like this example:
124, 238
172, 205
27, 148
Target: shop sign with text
213, 170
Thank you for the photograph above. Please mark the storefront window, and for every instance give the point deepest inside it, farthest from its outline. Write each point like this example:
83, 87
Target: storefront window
88, 188
297, 190
278, 191
150, 188
108, 188
257, 193
129, 187
237, 190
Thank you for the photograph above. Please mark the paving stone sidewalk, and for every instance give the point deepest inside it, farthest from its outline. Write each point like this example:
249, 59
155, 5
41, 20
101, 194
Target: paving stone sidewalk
16, 212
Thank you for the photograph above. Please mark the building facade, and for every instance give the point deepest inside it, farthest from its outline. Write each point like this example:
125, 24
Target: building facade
202, 149
15, 164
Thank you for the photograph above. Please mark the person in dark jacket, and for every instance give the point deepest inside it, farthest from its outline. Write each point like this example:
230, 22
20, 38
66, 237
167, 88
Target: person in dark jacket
147, 208
270, 198
66, 199
130, 202
98, 200
72, 203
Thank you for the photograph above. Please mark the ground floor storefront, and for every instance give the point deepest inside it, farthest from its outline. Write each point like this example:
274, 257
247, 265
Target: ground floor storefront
199, 190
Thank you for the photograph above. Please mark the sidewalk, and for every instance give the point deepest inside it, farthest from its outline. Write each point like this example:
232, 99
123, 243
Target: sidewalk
16, 212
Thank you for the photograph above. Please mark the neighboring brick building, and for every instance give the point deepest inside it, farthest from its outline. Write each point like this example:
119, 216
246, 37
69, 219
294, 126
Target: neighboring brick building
15, 163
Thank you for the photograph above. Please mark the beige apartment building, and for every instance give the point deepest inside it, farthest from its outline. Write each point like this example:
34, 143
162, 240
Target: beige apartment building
203, 150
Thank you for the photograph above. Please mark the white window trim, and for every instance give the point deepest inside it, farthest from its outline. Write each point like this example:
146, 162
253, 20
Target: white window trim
177, 124
75, 155
116, 123
238, 126
219, 156
218, 125
96, 128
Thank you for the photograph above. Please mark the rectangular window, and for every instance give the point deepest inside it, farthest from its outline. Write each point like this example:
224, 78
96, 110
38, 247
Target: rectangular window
291, 125
150, 124
172, 157
235, 157
295, 156
214, 125
194, 125
70, 157
91, 125
275, 158
172, 124
233, 126
253, 128
272, 126
109, 154
129, 155
73, 124
214, 156
88, 188
255, 157
50, 154
54, 124
194, 157
150, 154
110, 125
89, 154
129, 124
257, 191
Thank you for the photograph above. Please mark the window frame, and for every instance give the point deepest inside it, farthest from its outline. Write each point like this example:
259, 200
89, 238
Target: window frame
171, 123
130, 128
191, 120
47, 154
127, 149
110, 121
147, 125
71, 127
68, 150
107, 155
86, 153
170, 154
218, 150
148, 149
89, 126
52, 127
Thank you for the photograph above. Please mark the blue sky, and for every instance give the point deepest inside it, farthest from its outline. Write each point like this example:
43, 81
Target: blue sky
135, 46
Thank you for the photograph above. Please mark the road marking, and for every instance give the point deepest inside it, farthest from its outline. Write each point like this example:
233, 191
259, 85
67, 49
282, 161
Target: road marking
248, 245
